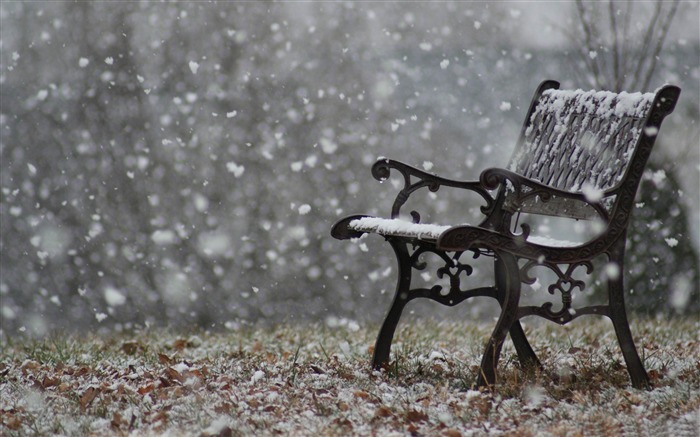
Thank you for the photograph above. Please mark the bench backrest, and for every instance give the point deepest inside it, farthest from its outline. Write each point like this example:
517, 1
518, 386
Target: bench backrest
579, 140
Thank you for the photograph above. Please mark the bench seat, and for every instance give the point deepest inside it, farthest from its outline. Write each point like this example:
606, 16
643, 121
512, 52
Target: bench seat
431, 232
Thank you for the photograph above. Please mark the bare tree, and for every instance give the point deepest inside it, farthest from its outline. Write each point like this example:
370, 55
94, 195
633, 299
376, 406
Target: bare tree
619, 53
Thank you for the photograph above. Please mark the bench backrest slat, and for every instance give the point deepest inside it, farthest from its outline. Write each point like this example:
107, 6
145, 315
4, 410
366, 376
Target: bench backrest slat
577, 140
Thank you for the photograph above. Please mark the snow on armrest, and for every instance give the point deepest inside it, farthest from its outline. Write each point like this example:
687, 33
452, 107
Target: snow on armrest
400, 227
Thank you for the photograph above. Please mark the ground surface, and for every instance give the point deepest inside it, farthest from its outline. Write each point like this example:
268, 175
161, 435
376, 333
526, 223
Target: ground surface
315, 380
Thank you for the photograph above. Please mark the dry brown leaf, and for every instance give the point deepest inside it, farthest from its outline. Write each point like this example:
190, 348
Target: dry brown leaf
361, 394
317, 369
87, 397
49, 381
131, 347
164, 359
343, 423
416, 416
383, 412
13, 422
145, 389
117, 420
179, 344
173, 374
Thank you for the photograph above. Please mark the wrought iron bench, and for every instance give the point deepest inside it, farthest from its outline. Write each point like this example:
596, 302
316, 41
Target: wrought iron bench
580, 155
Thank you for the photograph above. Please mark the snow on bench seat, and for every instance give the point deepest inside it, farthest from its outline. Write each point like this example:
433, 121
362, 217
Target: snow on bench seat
427, 231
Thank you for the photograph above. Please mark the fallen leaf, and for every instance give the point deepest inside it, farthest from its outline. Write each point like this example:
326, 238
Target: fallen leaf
145, 389
87, 397
130, 347
416, 416
164, 359
173, 374
361, 394
179, 344
49, 381
383, 412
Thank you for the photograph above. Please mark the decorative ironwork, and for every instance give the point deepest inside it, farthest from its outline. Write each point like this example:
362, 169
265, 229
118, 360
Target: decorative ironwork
565, 285
381, 171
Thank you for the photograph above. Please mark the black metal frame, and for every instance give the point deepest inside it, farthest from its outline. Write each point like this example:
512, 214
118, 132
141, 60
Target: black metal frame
494, 237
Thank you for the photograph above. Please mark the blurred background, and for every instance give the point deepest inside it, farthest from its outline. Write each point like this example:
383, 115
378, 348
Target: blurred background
181, 163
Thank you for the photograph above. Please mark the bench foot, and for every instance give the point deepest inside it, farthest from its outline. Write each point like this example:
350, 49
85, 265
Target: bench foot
618, 315
382, 347
526, 355
508, 285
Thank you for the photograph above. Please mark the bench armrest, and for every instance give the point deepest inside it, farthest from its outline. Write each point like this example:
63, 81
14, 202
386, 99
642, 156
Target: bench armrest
494, 178
381, 170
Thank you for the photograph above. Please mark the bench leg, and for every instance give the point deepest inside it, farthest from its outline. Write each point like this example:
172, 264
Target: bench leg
508, 279
618, 315
526, 355
382, 346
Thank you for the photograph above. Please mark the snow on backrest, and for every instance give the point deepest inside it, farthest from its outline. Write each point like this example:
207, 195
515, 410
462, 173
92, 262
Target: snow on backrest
577, 138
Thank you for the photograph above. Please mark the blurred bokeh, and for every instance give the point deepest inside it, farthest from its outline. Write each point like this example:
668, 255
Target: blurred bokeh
181, 163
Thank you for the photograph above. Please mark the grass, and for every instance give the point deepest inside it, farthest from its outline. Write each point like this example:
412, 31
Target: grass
314, 380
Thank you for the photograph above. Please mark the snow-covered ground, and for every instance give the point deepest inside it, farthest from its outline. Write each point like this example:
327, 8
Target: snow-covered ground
315, 380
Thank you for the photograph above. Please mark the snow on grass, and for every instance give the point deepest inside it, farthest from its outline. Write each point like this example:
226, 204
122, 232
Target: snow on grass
316, 380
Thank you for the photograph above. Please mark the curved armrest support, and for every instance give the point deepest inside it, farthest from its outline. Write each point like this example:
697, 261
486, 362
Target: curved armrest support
381, 170
494, 178
341, 229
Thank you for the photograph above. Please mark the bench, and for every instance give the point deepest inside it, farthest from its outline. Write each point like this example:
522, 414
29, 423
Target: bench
580, 155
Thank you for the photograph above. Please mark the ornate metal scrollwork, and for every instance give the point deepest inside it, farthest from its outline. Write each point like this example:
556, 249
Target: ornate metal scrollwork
565, 285
381, 171
452, 268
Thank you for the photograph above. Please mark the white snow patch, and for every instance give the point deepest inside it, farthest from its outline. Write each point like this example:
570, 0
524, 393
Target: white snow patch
651, 131
672, 242
328, 146
681, 289
83, 62
591, 192
109, 60
194, 66
397, 227
612, 270
304, 209
114, 297
8, 313
427, 165
505, 106
444, 63
257, 376
236, 169
164, 237
658, 177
